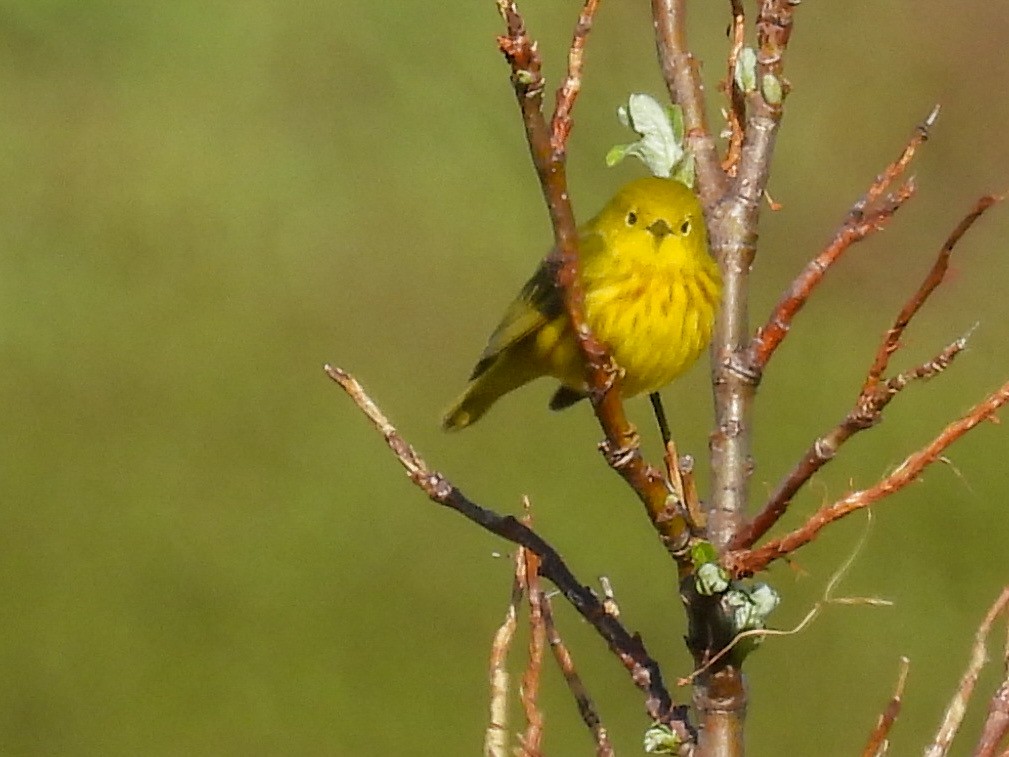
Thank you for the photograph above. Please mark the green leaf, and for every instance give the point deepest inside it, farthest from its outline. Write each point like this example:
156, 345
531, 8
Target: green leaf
661, 131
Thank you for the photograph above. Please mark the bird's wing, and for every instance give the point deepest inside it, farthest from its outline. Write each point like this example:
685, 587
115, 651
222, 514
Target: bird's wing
537, 304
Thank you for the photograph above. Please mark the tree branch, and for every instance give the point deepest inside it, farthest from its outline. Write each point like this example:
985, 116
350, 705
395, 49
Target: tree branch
683, 82
586, 707
547, 145
496, 735
877, 744
875, 394
935, 276
532, 739
978, 657
737, 101
747, 562
863, 219
629, 648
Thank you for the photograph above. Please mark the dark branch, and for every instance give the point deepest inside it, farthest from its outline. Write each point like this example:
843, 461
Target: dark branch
629, 648
586, 707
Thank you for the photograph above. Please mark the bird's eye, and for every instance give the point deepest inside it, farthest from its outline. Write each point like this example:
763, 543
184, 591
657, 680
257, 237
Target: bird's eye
632, 218
685, 227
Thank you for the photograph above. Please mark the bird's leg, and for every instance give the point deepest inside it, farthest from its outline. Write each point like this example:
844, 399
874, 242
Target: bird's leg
660, 417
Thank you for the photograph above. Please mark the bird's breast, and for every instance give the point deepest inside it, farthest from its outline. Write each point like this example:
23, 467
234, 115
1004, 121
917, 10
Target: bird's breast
656, 320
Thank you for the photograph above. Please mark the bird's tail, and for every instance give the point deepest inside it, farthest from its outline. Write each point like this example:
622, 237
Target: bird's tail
501, 377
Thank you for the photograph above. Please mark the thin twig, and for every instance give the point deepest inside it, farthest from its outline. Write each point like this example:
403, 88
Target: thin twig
875, 394
996, 724
586, 707
878, 744
863, 219
736, 112
866, 413
560, 125
747, 562
958, 704
628, 647
532, 739
683, 82
496, 736
935, 276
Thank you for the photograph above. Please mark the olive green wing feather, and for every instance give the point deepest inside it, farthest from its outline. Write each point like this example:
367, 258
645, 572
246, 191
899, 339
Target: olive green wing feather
537, 304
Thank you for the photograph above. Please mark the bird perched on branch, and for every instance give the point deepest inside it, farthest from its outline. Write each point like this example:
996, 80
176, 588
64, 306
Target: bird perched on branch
651, 292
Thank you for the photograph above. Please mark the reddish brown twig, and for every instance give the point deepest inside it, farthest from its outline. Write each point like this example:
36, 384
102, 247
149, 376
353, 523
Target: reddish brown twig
877, 744
496, 736
996, 724
863, 219
586, 707
875, 394
866, 413
747, 562
958, 704
560, 124
935, 276
736, 112
532, 739
629, 648
547, 145
683, 82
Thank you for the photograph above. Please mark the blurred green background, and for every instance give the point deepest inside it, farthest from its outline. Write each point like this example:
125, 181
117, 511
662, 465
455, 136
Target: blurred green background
203, 547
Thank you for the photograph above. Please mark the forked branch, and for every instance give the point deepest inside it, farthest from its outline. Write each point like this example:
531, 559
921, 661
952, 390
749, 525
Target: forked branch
875, 394
865, 217
747, 562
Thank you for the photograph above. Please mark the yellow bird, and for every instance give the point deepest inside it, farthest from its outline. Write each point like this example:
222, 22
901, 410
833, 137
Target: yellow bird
651, 293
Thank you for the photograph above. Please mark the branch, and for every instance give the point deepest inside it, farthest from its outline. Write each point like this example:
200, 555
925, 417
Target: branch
877, 744
733, 230
683, 82
774, 29
532, 739
586, 707
863, 219
747, 562
737, 101
561, 122
996, 725
875, 394
629, 648
935, 276
958, 705
496, 736
547, 144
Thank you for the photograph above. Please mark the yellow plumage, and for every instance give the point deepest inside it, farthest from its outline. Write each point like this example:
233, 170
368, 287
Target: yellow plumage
651, 292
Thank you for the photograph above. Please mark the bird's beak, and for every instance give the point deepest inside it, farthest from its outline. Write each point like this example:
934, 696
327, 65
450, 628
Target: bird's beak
660, 229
